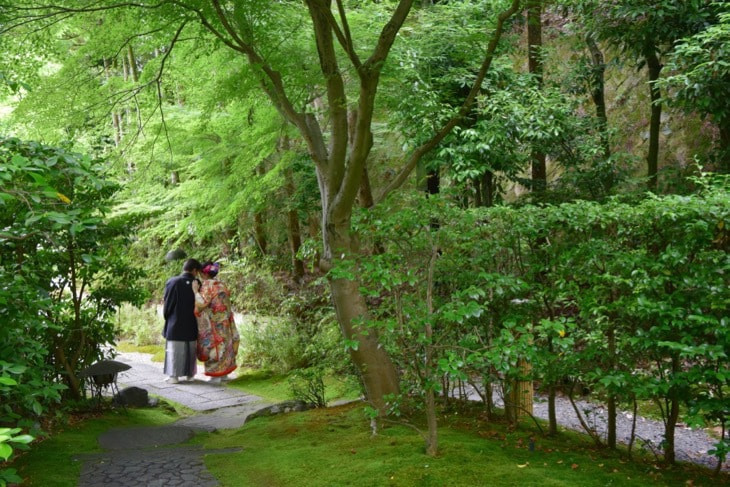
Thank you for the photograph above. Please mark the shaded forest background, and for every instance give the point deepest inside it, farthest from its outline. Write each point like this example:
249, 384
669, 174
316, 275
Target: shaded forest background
552, 212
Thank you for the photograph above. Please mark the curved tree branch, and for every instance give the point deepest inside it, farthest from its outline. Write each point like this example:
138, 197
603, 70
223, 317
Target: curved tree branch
420, 151
362, 139
343, 34
350, 48
319, 11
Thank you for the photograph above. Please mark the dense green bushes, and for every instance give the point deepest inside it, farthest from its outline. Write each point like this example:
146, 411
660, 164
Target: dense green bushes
141, 326
63, 271
628, 299
303, 334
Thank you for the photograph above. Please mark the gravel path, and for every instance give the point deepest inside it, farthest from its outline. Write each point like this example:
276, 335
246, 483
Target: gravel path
691, 445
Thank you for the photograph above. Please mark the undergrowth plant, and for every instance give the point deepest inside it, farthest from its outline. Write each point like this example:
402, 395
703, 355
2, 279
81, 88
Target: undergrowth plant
10, 438
139, 325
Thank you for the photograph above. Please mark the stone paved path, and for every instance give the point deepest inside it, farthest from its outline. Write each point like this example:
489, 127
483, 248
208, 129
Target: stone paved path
198, 394
156, 456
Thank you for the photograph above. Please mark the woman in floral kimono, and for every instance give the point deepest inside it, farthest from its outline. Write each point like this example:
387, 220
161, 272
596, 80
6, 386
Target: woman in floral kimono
217, 334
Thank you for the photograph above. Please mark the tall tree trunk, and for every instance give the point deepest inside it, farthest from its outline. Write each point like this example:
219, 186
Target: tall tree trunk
117, 127
652, 158
134, 74
552, 393
611, 402
259, 220
259, 232
64, 366
125, 72
672, 416
116, 123
552, 414
376, 369
428, 179
294, 229
365, 194
295, 234
724, 164
488, 188
535, 66
433, 181
598, 92
132, 63
428, 367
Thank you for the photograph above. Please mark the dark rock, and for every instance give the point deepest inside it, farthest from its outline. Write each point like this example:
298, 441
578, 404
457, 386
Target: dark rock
175, 254
132, 396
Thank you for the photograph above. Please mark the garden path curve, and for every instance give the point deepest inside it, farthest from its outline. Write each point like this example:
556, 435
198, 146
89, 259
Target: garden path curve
155, 456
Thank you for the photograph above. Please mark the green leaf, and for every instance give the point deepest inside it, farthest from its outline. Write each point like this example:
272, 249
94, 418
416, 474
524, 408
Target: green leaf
17, 369
24, 439
37, 408
5, 451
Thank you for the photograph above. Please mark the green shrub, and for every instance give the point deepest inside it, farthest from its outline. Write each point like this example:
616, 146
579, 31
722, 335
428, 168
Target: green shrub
308, 385
630, 298
254, 287
304, 334
10, 437
141, 326
269, 343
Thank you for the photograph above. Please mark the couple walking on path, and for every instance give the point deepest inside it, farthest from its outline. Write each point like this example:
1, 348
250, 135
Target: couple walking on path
199, 324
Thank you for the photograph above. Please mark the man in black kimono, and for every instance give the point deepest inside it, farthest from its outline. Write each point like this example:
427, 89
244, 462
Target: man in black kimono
181, 326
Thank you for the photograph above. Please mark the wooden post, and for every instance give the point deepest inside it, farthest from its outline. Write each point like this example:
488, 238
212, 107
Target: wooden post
522, 392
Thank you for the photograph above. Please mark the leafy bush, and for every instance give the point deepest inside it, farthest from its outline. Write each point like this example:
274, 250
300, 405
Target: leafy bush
270, 343
64, 268
10, 436
254, 286
304, 334
631, 299
142, 326
308, 385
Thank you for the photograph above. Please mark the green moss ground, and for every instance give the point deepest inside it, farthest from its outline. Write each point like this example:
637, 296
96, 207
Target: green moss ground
334, 447
275, 387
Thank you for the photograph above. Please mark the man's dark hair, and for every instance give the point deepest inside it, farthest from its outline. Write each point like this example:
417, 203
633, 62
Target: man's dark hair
191, 265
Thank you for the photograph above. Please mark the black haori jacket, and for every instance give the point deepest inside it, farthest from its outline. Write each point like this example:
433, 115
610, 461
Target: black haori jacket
179, 309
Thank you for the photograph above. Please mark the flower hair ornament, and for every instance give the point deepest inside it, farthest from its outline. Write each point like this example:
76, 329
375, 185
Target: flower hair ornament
212, 269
